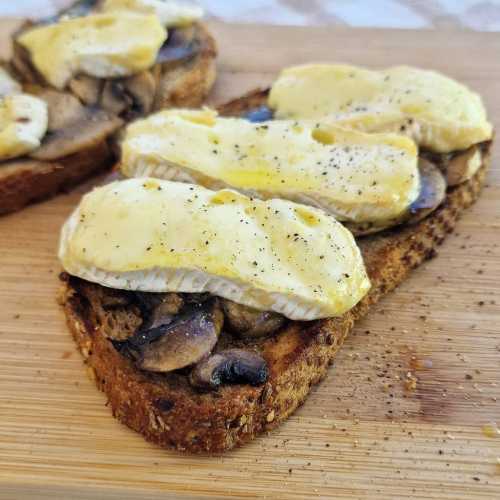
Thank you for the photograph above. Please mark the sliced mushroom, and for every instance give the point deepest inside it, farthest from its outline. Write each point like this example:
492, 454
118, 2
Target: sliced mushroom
232, 366
141, 88
95, 127
64, 108
86, 88
114, 97
159, 308
77, 9
180, 45
432, 194
463, 166
251, 323
183, 342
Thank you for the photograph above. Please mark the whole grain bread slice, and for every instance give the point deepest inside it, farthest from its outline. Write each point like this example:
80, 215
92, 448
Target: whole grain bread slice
167, 411
183, 83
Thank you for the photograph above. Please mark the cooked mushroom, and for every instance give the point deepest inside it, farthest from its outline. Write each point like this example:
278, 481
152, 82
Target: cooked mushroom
463, 165
232, 366
131, 96
251, 323
72, 126
141, 88
432, 192
181, 44
114, 97
82, 134
86, 88
159, 309
64, 108
77, 9
183, 342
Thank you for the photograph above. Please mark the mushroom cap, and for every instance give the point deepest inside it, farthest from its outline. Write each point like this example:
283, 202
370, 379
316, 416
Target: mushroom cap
183, 342
248, 322
230, 366
432, 191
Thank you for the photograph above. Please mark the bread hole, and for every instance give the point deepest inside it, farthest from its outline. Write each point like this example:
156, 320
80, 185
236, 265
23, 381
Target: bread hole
323, 136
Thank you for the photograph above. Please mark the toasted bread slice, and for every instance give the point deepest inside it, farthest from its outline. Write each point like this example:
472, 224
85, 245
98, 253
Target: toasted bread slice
167, 411
182, 81
27, 180
182, 76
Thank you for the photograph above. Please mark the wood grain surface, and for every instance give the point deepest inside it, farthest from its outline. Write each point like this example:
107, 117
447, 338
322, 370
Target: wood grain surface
361, 433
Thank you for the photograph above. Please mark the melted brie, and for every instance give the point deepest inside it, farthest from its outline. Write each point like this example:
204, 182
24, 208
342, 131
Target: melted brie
7, 84
170, 13
101, 45
161, 236
355, 176
23, 124
437, 112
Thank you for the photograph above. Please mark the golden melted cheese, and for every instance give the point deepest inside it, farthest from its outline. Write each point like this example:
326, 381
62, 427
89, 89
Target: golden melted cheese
23, 124
161, 236
355, 176
102, 45
169, 12
437, 112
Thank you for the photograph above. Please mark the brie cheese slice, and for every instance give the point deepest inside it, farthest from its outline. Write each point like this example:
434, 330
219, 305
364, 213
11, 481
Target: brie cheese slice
355, 176
23, 124
170, 13
439, 113
104, 45
161, 236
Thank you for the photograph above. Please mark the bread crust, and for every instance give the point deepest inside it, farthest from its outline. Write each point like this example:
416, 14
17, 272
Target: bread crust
171, 414
28, 181
187, 85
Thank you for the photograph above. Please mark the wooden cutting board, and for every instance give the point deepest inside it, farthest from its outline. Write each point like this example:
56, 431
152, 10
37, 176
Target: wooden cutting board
361, 433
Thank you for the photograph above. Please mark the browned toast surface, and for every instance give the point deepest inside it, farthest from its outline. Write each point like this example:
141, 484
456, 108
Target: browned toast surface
169, 412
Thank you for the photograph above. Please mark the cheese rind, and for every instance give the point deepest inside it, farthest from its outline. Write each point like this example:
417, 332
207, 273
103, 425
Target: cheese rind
353, 175
101, 45
439, 113
23, 124
161, 236
170, 13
